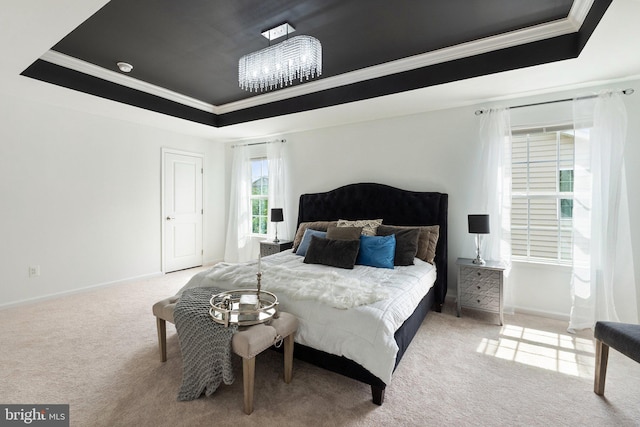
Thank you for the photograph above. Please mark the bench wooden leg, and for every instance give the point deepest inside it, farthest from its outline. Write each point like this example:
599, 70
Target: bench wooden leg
602, 356
288, 358
248, 377
162, 338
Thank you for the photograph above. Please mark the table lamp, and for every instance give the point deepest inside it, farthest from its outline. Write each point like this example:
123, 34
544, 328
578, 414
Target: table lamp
478, 224
277, 216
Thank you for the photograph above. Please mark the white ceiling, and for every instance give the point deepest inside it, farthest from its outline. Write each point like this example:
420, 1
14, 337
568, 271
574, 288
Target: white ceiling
28, 29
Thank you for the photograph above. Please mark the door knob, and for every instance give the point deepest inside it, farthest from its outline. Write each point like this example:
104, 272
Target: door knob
169, 218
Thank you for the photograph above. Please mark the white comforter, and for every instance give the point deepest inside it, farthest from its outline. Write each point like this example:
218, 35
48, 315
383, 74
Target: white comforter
363, 333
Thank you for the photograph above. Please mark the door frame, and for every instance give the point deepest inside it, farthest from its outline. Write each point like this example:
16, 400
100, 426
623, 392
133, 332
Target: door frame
164, 152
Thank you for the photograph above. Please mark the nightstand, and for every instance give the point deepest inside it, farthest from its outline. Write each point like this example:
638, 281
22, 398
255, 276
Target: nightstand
268, 247
480, 287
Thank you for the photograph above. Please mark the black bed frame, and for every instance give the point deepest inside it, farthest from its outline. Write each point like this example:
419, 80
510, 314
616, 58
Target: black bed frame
395, 207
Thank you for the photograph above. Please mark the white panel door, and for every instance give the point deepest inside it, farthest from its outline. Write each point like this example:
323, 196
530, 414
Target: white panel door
182, 211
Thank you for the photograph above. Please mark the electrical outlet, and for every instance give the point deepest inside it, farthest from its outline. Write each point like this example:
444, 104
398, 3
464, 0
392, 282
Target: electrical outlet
34, 270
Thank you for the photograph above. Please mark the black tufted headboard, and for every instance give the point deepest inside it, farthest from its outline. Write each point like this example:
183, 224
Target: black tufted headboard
393, 205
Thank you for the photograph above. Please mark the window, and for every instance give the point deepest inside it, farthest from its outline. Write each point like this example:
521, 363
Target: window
542, 194
259, 195
565, 184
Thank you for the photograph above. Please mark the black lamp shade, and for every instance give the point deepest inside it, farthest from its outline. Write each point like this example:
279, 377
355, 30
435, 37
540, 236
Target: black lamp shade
479, 224
277, 215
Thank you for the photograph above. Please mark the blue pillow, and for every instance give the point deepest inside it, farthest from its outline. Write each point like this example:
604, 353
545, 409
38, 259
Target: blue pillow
306, 239
377, 251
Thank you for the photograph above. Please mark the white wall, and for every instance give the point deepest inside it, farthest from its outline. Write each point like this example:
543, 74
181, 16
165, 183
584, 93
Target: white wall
81, 191
414, 152
436, 151
81, 196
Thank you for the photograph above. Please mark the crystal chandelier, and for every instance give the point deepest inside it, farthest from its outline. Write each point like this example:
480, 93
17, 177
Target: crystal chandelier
299, 57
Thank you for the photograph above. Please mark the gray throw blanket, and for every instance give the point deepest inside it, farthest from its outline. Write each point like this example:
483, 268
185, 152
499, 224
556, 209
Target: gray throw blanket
205, 345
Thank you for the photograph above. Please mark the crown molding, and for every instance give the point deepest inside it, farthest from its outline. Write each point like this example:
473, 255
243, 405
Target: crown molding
578, 12
81, 66
568, 25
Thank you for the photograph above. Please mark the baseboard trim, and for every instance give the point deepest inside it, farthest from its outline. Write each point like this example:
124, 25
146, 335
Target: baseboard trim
541, 313
451, 299
56, 295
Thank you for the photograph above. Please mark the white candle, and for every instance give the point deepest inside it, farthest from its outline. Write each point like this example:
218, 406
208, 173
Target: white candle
259, 263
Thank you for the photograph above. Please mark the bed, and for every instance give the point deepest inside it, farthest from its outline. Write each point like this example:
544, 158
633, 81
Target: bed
353, 358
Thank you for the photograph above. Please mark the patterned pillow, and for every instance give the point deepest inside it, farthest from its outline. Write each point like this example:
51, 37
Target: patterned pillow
369, 226
317, 225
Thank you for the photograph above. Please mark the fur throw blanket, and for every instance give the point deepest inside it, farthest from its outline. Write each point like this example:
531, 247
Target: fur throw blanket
327, 287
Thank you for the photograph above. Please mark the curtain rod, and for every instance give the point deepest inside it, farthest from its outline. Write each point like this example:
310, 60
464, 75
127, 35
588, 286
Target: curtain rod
259, 143
624, 92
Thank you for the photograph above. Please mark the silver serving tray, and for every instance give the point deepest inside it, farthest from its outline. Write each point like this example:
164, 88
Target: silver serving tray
226, 309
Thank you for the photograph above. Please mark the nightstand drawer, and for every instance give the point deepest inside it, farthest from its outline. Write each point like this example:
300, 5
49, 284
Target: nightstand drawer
478, 281
481, 302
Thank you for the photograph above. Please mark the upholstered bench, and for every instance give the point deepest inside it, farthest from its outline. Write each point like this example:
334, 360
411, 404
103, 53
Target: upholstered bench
624, 337
250, 341
247, 342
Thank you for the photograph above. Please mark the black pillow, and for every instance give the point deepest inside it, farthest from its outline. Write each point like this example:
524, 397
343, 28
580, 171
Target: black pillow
334, 253
406, 242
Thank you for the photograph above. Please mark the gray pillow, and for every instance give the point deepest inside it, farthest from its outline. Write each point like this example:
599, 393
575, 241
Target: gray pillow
406, 242
343, 233
334, 253
427, 241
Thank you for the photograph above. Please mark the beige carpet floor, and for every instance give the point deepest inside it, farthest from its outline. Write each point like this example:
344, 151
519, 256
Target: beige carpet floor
97, 352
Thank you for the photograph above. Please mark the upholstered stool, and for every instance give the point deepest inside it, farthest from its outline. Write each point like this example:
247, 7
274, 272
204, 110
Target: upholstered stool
247, 343
250, 341
624, 337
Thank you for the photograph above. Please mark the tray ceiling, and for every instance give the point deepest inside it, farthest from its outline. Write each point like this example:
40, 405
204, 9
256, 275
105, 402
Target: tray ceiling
185, 54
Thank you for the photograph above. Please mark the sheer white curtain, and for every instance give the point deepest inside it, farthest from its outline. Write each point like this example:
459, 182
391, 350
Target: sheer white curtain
603, 283
493, 193
277, 160
239, 246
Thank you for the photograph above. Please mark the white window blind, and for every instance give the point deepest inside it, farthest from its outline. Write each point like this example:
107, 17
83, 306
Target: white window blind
542, 194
